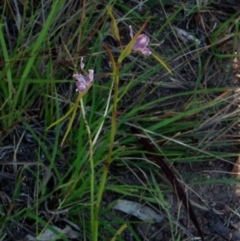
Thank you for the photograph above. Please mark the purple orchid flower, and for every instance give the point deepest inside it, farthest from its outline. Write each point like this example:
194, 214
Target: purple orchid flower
83, 82
141, 43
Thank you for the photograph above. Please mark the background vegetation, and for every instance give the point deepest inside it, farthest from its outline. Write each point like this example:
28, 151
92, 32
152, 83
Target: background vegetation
67, 158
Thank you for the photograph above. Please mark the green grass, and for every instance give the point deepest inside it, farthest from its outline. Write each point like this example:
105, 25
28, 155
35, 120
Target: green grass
90, 133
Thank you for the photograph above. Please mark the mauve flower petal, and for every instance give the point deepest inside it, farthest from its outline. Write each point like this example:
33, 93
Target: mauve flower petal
81, 86
83, 82
78, 77
141, 43
91, 75
146, 51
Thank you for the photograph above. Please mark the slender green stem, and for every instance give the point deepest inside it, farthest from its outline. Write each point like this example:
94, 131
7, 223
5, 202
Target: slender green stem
91, 162
109, 157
